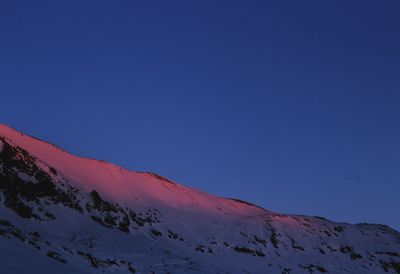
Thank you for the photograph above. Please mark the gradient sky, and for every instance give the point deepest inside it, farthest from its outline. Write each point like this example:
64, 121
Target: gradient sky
292, 105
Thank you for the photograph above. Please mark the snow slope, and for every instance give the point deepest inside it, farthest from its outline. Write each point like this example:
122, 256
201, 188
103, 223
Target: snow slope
66, 214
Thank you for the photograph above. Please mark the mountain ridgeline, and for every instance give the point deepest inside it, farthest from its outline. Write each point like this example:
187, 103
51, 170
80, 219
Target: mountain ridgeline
60, 213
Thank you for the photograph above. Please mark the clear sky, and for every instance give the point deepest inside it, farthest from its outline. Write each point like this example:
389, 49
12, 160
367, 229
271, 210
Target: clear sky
292, 105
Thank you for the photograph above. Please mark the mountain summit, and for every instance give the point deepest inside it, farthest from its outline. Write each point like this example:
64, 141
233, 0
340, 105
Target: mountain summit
60, 213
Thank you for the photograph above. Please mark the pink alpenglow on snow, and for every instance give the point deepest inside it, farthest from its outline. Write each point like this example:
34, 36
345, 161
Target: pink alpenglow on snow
128, 187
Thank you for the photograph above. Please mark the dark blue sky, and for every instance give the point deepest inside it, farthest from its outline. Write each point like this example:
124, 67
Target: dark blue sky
293, 105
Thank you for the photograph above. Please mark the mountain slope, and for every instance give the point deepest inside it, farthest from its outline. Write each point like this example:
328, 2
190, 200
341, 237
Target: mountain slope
66, 214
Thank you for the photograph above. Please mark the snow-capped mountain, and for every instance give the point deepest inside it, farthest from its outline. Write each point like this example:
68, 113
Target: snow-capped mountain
60, 213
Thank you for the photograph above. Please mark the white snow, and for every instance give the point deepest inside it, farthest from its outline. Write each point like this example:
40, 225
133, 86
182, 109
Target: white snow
218, 235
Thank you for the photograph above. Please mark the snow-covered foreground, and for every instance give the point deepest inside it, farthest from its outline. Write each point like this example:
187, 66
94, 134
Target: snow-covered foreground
64, 214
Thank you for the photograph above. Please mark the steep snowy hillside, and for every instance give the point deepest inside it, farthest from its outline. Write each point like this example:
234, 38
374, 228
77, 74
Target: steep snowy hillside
60, 213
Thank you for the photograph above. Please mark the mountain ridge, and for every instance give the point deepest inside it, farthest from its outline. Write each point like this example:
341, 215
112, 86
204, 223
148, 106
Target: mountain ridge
25, 141
93, 217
